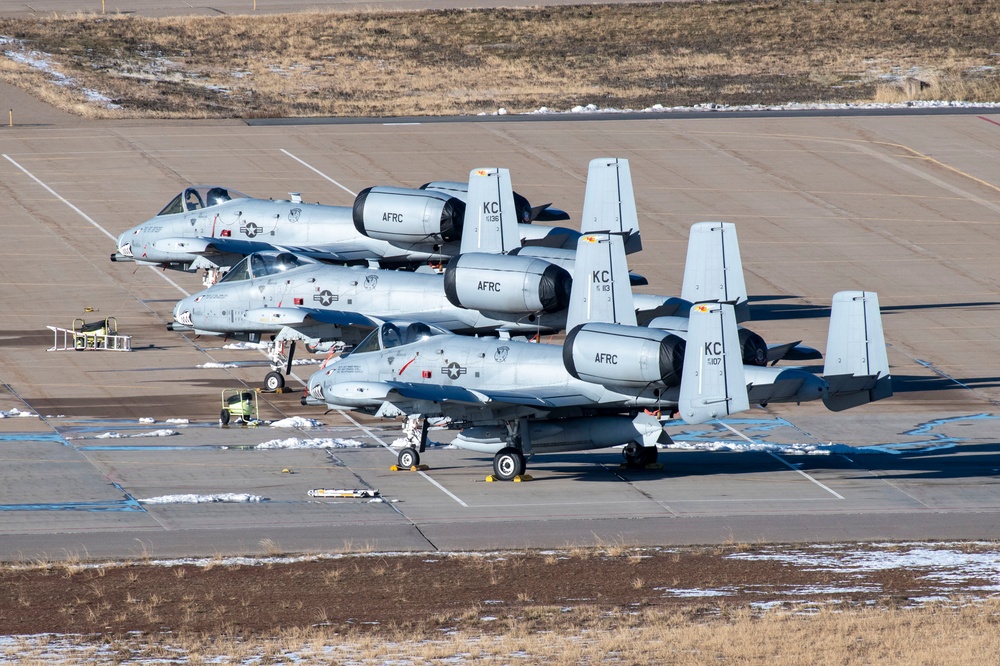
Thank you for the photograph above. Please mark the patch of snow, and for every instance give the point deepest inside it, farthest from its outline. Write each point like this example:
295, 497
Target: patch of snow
215, 366
785, 449
151, 433
178, 421
17, 413
319, 443
203, 499
146, 419
296, 422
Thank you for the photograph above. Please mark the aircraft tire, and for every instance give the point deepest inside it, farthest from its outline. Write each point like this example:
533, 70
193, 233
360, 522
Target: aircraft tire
508, 463
274, 381
408, 458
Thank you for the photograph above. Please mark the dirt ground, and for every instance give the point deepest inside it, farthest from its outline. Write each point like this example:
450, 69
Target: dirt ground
374, 591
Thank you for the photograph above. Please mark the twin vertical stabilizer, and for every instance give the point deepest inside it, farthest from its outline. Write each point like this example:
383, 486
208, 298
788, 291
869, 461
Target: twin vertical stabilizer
713, 384
857, 366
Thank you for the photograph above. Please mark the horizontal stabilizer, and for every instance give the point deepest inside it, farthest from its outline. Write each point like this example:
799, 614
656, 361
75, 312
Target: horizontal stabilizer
792, 351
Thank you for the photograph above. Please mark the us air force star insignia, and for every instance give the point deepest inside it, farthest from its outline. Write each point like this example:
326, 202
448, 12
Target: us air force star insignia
250, 229
501, 354
325, 297
454, 370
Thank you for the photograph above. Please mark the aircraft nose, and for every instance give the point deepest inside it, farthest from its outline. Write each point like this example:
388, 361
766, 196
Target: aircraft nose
316, 384
182, 311
125, 244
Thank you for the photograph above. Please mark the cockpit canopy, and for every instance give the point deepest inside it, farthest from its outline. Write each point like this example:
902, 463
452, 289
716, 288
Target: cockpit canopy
262, 264
198, 197
395, 334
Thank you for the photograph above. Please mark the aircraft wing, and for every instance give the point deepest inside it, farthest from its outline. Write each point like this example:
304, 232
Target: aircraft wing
543, 397
217, 246
298, 316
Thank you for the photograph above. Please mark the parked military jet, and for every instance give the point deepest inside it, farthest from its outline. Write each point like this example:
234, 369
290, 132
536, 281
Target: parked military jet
296, 298
514, 399
213, 228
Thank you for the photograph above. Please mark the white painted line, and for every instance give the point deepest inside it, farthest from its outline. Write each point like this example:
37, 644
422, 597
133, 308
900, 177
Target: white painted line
388, 448
311, 167
86, 217
59, 196
781, 460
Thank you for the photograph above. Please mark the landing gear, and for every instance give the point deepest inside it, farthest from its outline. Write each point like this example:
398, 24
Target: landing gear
274, 381
508, 463
415, 429
639, 456
280, 354
408, 458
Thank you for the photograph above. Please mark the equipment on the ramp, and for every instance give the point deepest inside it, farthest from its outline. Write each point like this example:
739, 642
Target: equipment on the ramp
98, 335
240, 403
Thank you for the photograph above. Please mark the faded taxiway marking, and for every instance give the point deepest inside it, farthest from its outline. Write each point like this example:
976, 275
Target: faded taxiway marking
320, 173
85, 216
185, 292
781, 460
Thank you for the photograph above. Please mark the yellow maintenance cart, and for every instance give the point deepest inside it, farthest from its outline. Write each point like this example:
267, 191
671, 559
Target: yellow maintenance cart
240, 404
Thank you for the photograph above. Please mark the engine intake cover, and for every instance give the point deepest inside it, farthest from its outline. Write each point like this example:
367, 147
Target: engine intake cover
402, 215
506, 283
615, 355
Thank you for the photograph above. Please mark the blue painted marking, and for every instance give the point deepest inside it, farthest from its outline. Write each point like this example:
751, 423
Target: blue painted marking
96, 507
31, 437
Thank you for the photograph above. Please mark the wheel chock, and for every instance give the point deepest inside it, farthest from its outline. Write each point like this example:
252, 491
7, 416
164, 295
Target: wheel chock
411, 468
517, 479
286, 471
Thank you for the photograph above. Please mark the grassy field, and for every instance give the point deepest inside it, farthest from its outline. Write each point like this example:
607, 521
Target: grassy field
478, 61
610, 605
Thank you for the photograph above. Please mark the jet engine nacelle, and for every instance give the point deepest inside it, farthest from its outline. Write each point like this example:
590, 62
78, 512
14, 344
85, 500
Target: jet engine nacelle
752, 346
614, 355
401, 215
506, 283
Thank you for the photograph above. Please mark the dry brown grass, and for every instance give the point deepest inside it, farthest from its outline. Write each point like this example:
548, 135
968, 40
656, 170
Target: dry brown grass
934, 635
472, 61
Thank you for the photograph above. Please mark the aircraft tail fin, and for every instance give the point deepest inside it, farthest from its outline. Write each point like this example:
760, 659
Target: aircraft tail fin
713, 384
857, 366
609, 202
714, 268
601, 291
490, 213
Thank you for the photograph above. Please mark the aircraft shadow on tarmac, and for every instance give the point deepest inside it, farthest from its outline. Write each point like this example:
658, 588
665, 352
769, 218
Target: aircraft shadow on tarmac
763, 309
949, 461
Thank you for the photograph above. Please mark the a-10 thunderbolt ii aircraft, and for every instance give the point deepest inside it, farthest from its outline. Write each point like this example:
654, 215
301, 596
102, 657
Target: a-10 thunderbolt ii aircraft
213, 228
295, 298
515, 399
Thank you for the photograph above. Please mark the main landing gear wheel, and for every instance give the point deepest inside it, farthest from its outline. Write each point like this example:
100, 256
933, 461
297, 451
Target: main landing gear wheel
508, 463
274, 381
639, 456
408, 458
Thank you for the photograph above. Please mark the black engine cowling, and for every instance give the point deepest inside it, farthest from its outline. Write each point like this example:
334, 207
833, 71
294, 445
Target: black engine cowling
506, 283
402, 215
754, 348
614, 355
